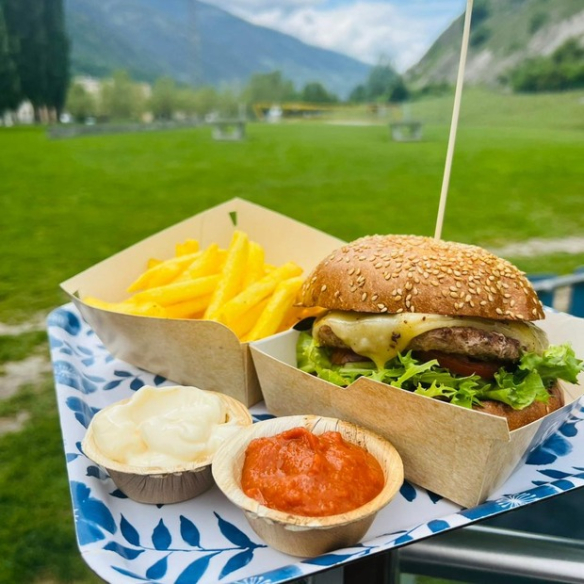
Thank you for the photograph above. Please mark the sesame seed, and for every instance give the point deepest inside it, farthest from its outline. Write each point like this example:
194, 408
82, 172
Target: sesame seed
323, 288
498, 310
364, 296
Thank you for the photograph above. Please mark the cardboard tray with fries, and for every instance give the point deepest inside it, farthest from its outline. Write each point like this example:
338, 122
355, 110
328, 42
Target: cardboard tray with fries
203, 353
463, 455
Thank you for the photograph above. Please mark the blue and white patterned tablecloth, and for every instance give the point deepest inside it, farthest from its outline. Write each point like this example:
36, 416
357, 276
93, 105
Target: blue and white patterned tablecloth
207, 539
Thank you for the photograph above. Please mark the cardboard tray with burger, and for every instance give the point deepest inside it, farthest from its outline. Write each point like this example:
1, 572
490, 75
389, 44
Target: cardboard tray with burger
191, 351
433, 345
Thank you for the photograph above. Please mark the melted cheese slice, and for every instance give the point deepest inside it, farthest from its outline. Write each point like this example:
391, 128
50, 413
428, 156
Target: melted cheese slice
380, 337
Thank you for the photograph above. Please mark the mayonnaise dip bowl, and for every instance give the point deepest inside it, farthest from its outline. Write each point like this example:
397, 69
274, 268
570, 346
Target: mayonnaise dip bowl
158, 445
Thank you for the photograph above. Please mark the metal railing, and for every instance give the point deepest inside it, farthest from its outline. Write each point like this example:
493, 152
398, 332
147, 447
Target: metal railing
485, 554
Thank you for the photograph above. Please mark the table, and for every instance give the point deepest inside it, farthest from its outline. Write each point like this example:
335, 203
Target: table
230, 130
207, 539
405, 131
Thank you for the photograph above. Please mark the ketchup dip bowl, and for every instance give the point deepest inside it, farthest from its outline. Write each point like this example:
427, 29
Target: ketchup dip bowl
161, 483
301, 535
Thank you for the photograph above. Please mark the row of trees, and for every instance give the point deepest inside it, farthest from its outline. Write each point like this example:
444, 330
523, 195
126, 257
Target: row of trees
121, 98
34, 55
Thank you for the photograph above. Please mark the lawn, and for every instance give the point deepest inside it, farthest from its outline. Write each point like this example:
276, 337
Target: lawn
67, 204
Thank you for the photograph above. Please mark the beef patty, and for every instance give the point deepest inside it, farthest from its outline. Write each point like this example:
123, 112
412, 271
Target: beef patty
476, 343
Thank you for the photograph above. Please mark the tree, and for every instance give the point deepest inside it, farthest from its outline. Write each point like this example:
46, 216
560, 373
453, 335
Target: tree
269, 87
42, 50
57, 63
315, 92
380, 81
398, 91
206, 100
80, 103
358, 94
164, 98
121, 98
228, 103
24, 20
10, 94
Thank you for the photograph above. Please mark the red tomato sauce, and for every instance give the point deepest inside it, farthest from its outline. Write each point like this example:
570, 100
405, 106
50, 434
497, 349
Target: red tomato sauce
304, 474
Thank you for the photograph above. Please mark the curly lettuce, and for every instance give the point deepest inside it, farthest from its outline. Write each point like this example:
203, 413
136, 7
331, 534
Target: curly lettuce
529, 381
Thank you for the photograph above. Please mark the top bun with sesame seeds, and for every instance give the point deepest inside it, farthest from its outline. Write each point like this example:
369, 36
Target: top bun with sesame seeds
448, 320
408, 273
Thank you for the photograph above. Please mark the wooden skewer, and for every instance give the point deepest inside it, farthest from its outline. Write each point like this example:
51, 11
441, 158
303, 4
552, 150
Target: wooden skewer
454, 122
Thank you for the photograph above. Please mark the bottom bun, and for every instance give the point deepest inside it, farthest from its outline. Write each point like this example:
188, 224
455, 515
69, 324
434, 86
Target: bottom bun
518, 418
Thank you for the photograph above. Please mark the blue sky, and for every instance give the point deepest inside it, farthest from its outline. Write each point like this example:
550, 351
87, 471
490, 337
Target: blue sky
396, 30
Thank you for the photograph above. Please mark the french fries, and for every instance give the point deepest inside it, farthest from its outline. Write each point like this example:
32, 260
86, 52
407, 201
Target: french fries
233, 286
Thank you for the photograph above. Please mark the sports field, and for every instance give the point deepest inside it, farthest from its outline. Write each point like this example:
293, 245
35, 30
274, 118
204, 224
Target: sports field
66, 204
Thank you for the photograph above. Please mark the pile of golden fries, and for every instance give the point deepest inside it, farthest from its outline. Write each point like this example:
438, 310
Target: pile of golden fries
233, 286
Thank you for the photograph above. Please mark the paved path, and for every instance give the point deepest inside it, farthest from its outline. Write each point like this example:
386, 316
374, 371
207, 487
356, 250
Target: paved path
535, 247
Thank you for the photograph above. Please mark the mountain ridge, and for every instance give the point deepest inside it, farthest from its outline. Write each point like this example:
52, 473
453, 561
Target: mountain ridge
195, 43
504, 33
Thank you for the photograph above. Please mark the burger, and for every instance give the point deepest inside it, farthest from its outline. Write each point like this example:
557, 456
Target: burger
446, 320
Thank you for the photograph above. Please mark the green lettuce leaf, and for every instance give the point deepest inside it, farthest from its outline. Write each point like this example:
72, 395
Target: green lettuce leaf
557, 362
518, 389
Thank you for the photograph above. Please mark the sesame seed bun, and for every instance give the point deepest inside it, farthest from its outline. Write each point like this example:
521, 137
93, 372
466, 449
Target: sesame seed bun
407, 273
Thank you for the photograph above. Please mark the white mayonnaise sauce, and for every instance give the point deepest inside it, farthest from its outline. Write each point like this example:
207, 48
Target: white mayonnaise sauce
163, 426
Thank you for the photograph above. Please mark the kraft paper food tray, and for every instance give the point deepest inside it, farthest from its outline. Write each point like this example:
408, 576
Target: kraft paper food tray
201, 353
461, 454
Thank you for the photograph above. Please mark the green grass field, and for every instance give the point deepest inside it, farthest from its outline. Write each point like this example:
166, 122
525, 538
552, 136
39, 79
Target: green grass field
67, 204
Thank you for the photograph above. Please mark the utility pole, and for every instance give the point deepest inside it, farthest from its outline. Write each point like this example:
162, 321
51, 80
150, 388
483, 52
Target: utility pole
196, 72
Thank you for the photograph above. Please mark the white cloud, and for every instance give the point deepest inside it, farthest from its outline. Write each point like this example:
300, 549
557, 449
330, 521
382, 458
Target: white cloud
398, 30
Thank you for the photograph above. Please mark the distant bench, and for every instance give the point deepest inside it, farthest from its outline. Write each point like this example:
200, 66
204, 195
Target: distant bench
228, 129
405, 131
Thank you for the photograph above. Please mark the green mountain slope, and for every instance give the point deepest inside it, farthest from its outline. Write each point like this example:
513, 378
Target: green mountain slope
195, 43
503, 34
